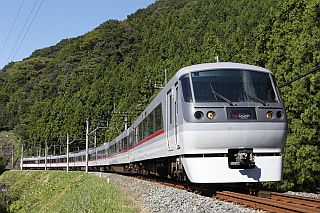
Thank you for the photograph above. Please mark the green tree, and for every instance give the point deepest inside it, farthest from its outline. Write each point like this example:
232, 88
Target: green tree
2, 164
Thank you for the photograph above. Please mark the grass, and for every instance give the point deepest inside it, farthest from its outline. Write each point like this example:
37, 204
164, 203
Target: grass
58, 191
3, 133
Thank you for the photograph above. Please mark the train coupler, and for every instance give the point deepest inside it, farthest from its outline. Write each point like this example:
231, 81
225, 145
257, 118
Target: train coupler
241, 158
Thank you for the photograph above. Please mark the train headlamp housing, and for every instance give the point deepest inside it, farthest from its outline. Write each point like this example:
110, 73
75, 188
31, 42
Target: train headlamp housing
211, 115
198, 115
269, 115
279, 114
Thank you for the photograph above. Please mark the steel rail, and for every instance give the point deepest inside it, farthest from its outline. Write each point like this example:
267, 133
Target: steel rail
268, 204
311, 202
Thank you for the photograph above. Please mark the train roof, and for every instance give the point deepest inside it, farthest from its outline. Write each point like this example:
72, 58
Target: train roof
219, 65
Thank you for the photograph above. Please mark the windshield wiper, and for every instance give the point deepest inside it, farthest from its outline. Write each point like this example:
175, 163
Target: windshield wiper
221, 96
255, 98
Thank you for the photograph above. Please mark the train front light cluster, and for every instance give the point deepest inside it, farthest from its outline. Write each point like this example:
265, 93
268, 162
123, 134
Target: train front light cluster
199, 115
279, 114
270, 115
211, 115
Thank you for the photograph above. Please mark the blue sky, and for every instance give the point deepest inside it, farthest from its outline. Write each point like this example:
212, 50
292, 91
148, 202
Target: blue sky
55, 20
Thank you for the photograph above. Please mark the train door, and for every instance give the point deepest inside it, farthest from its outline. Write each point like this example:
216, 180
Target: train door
171, 118
176, 115
133, 134
169, 123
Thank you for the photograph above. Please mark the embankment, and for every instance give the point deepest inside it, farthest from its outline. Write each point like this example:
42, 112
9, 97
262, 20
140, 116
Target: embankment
59, 191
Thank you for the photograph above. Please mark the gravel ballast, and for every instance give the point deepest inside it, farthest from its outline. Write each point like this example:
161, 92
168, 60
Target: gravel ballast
304, 194
159, 198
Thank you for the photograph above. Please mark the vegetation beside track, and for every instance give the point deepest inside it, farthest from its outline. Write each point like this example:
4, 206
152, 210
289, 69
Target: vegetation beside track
59, 191
10, 151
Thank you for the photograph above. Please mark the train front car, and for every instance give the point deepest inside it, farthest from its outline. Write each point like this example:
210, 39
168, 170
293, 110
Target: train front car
234, 125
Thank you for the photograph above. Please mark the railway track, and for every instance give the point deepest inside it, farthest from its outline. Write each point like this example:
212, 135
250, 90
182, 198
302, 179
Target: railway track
249, 197
264, 200
272, 202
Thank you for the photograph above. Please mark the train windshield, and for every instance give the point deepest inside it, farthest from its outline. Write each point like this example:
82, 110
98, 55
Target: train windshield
232, 86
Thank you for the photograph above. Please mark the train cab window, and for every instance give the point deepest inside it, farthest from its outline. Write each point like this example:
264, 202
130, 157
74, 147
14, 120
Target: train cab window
235, 85
186, 89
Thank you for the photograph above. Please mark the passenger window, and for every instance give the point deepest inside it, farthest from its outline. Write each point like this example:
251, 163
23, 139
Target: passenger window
158, 118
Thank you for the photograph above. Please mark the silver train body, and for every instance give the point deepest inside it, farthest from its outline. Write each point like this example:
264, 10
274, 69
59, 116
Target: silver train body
211, 123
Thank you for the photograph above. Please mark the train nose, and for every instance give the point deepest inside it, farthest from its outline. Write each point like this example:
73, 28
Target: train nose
234, 135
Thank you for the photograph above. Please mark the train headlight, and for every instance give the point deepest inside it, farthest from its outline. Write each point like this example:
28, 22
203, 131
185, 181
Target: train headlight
198, 115
269, 115
279, 114
211, 115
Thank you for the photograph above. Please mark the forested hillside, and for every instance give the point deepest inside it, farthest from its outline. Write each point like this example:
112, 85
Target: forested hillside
52, 92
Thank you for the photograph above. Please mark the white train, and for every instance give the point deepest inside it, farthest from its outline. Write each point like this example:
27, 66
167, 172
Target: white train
211, 123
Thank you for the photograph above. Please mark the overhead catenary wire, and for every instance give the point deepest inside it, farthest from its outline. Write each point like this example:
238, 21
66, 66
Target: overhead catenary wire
15, 49
21, 31
312, 71
12, 26
24, 36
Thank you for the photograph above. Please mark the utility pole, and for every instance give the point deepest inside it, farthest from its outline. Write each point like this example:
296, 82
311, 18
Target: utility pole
12, 156
125, 120
165, 76
46, 155
161, 85
21, 167
87, 144
95, 143
67, 152
39, 152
